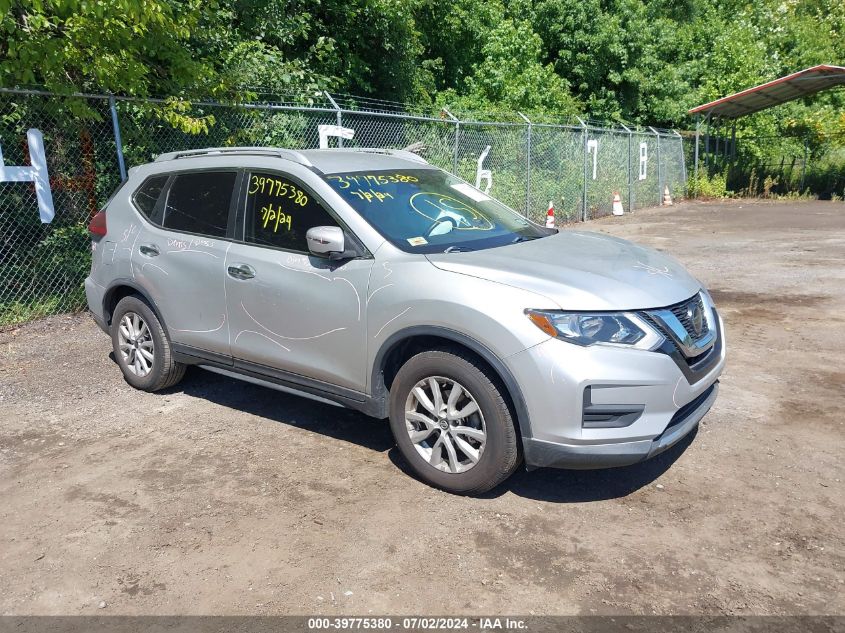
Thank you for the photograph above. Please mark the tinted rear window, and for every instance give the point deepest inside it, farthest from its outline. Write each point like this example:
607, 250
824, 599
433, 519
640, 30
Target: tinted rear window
147, 195
199, 203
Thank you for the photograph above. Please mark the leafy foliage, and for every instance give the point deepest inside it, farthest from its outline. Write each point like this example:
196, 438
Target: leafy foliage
646, 61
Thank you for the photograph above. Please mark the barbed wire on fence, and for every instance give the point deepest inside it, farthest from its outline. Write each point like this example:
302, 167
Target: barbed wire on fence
578, 167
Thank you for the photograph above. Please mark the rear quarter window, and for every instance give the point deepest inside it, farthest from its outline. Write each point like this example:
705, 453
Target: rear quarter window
146, 196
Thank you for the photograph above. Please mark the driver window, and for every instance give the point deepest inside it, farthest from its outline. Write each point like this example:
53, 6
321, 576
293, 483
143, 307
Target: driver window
279, 212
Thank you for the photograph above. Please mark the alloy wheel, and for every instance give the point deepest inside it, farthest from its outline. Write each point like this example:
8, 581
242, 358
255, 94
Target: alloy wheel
135, 343
445, 424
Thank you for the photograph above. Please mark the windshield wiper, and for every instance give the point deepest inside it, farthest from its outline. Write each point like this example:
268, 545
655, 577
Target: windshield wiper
458, 249
524, 238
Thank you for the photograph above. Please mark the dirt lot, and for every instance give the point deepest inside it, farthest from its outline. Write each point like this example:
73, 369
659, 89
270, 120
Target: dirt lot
226, 498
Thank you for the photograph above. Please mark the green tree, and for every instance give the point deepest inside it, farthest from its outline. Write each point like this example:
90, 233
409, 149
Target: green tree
511, 75
176, 48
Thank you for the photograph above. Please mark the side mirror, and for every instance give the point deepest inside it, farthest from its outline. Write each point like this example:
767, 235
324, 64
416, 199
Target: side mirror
328, 241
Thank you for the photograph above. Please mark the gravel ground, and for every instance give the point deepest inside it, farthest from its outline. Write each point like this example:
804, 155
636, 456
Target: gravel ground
220, 497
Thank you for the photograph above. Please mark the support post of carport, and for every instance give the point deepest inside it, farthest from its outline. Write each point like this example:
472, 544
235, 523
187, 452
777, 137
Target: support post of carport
733, 141
697, 137
716, 159
804, 166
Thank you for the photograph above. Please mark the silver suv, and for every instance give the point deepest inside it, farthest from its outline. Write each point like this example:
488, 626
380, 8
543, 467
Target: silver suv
373, 280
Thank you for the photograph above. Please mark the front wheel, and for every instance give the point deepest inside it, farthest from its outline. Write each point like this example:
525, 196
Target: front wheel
452, 423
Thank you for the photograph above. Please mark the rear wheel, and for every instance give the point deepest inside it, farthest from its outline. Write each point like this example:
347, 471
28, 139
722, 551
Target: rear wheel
141, 347
452, 423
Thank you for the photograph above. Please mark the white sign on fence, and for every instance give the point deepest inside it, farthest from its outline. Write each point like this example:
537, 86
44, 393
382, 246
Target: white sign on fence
35, 173
643, 160
593, 148
326, 131
483, 174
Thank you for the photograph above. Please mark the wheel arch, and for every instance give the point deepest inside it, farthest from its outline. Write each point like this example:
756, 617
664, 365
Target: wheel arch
404, 343
121, 288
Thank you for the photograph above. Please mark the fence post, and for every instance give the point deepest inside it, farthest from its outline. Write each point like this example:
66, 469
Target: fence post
630, 170
457, 137
118, 142
584, 148
683, 159
659, 188
527, 164
457, 142
339, 115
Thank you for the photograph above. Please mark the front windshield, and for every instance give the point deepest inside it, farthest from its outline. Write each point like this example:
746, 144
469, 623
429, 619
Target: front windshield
431, 211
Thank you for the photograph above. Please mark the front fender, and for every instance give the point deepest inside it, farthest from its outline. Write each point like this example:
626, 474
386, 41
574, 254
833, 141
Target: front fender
507, 377
414, 298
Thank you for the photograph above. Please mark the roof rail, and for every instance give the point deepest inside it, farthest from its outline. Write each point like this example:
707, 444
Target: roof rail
398, 153
287, 154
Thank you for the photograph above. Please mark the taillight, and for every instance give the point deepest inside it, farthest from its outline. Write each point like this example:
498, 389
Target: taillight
97, 226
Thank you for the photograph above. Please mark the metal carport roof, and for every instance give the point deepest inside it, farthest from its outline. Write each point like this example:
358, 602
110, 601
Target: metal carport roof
801, 84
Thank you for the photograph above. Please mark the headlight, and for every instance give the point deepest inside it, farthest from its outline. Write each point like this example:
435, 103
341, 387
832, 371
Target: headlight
623, 329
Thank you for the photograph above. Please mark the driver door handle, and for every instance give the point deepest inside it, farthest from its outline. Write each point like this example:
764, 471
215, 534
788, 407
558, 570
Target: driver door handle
241, 271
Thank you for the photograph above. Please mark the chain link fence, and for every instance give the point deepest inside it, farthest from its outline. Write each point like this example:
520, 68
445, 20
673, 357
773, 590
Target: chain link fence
90, 141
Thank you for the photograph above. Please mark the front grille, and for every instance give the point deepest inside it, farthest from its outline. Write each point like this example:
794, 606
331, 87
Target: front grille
692, 365
682, 311
671, 343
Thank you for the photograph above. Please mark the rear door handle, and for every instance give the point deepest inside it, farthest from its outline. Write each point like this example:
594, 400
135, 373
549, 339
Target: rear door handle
241, 271
150, 250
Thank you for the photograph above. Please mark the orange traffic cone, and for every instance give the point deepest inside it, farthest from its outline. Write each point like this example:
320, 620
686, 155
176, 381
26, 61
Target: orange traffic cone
617, 204
667, 197
550, 216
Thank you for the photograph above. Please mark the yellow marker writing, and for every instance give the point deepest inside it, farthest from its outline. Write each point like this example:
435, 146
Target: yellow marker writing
277, 188
370, 180
276, 216
371, 194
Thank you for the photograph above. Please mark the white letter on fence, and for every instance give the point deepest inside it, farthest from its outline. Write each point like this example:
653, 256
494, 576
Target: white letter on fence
326, 131
643, 160
35, 173
593, 147
483, 174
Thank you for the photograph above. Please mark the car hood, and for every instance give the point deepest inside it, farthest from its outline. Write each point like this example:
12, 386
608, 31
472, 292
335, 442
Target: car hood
580, 270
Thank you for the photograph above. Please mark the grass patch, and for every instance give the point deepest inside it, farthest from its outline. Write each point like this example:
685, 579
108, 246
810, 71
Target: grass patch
18, 312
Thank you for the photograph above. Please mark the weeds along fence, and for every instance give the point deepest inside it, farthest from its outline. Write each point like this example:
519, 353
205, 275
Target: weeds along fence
90, 141
776, 165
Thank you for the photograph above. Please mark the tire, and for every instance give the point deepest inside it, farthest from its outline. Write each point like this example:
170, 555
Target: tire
137, 334
429, 456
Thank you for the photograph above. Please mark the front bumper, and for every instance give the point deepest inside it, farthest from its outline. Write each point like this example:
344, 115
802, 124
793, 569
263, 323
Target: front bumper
553, 376
541, 454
